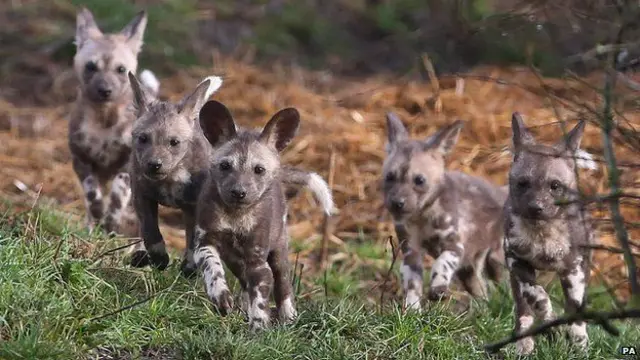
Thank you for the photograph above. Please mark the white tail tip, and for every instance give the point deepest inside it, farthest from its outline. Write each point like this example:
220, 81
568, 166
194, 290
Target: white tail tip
321, 190
149, 79
584, 160
216, 83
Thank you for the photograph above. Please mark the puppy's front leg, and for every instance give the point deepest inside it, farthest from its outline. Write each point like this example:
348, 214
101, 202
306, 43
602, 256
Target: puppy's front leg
93, 200
156, 253
574, 284
259, 282
411, 269
445, 267
520, 274
208, 260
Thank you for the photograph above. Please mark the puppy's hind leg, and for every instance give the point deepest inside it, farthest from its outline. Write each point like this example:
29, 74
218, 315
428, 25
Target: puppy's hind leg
282, 288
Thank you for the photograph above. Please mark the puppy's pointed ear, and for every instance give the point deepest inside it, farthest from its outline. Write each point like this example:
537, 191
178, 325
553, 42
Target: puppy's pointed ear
396, 131
141, 99
281, 129
190, 105
574, 137
134, 31
521, 136
446, 138
217, 123
86, 27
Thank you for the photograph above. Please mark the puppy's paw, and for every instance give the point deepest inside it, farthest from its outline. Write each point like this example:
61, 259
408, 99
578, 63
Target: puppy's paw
140, 258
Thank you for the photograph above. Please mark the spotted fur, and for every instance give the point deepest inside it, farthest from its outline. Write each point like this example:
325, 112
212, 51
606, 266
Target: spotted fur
99, 132
242, 211
455, 217
170, 162
541, 234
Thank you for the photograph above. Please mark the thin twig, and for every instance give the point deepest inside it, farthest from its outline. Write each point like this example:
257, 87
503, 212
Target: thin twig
600, 198
394, 255
130, 306
608, 248
295, 269
614, 176
299, 279
326, 224
326, 286
116, 249
600, 317
125, 308
57, 253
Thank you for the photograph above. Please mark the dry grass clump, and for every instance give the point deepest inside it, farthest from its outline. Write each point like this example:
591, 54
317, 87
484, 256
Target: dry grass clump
344, 118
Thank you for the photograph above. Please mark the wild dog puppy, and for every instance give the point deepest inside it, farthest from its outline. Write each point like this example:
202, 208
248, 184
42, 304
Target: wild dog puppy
456, 218
170, 163
241, 214
541, 234
100, 124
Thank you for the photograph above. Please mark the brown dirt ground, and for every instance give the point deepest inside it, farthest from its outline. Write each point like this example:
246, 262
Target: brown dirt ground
340, 117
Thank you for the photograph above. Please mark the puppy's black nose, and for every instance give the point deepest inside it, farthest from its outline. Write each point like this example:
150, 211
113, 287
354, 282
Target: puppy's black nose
104, 92
154, 165
238, 194
397, 204
535, 210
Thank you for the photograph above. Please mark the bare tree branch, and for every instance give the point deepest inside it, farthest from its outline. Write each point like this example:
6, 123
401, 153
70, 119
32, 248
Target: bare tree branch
394, 254
609, 249
601, 318
608, 125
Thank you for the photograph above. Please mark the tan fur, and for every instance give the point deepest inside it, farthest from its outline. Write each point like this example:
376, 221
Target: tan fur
101, 121
455, 217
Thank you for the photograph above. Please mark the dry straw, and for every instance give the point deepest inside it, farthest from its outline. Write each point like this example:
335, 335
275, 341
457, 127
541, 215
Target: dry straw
346, 118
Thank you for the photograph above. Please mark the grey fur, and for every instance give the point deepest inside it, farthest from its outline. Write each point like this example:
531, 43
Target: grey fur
170, 161
100, 124
541, 234
241, 214
455, 217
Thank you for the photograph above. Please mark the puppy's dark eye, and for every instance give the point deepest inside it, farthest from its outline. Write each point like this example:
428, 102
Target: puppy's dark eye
121, 69
555, 185
91, 66
258, 169
522, 184
174, 142
225, 165
143, 138
419, 180
390, 177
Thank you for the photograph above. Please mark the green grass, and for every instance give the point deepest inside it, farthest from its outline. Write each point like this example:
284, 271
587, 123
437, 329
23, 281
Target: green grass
59, 300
